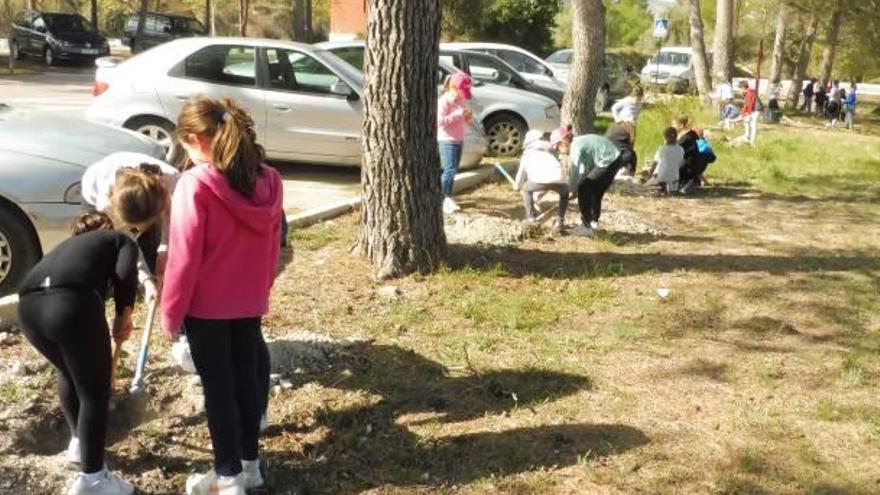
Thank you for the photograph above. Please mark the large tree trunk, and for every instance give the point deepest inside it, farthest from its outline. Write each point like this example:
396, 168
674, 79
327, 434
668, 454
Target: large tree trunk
779, 46
588, 40
95, 15
722, 68
698, 45
302, 20
142, 20
209, 18
832, 40
244, 8
401, 219
803, 61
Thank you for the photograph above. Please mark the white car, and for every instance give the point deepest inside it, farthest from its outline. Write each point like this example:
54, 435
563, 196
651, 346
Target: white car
672, 68
531, 66
506, 113
306, 103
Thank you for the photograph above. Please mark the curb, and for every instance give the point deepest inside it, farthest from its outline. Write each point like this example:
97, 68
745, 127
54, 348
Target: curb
463, 181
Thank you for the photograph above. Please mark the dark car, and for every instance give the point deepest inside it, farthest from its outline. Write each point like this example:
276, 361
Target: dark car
56, 36
491, 69
159, 28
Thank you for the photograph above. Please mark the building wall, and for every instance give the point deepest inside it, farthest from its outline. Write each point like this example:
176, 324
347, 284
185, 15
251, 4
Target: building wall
348, 19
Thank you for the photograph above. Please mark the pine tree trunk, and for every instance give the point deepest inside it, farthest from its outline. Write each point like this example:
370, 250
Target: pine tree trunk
209, 17
95, 14
588, 40
244, 7
779, 46
299, 21
803, 61
698, 45
722, 68
401, 219
142, 20
832, 40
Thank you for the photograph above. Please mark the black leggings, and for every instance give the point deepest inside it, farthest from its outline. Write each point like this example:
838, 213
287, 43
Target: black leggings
226, 355
69, 328
592, 189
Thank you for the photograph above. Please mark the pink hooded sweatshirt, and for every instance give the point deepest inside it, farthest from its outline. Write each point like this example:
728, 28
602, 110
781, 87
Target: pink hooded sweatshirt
223, 247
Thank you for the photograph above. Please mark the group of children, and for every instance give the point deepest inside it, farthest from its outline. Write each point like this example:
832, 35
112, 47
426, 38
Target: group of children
833, 102
205, 240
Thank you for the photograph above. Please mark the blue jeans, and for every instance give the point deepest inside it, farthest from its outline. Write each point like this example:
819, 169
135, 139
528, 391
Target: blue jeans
450, 157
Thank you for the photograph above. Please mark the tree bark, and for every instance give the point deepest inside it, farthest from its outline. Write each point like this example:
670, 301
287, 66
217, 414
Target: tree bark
401, 219
698, 45
142, 21
244, 7
209, 17
779, 46
299, 20
722, 68
588, 41
803, 61
833, 38
95, 15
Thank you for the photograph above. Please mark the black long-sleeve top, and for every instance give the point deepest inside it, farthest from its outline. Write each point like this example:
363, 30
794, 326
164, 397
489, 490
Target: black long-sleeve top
94, 261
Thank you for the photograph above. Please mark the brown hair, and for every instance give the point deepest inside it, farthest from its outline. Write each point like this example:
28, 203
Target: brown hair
637, 92
630, 129
744, 84
91, 221
670, 135
683, 120
138, 194
234, 149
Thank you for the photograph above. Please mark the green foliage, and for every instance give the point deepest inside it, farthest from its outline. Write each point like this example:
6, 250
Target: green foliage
626, 22
525, 23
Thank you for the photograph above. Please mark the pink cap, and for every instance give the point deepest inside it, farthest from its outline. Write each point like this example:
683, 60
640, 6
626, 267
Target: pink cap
562, 133
462, 82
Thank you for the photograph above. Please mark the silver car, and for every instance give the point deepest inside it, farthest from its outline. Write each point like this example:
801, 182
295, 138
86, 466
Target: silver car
306, 103
42, 159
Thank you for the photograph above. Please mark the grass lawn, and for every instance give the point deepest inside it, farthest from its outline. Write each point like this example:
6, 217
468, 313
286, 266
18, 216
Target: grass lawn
554, 367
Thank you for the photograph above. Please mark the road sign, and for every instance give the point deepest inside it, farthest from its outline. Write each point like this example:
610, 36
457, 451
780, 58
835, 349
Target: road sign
661, 27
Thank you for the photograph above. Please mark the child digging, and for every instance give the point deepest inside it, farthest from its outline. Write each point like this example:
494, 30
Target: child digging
539, 171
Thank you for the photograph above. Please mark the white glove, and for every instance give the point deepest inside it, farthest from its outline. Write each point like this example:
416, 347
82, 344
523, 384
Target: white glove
151, 292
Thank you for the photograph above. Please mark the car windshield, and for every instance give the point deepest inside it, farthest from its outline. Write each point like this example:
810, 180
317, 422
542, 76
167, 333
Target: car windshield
186, 25
671, 58
339, 66
560, 57
67, 23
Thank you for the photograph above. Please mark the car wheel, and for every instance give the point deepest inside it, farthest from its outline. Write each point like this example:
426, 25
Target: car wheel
506, 133
19, 250
159, 130
49, 56
14, 51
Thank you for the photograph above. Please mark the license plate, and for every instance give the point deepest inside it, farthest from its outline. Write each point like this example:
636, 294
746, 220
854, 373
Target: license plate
91, 51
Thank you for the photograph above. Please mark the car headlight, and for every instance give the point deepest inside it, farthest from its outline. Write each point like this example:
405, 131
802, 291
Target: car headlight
551, 112
73, 194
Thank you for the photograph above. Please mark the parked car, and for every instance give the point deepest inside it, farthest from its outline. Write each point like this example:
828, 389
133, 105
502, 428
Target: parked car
55, 36
160, 28
306, 103
618, 69
531, 66
506, 113
671, 68
41, 164
491, 69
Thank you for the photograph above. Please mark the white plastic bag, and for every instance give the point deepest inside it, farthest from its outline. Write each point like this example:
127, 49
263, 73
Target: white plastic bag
182, 356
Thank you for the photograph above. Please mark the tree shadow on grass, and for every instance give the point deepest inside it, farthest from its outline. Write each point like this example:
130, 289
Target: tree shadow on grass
366, 447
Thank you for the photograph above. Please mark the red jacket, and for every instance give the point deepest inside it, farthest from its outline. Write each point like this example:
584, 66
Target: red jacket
751, 100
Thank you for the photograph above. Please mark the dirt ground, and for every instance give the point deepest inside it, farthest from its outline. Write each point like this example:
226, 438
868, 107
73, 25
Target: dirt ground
721, 343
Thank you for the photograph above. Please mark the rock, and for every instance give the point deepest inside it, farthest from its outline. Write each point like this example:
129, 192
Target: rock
276, 390
389, 292
3, 336
275, 378
663, 292
18, 369
195, 381
286, 384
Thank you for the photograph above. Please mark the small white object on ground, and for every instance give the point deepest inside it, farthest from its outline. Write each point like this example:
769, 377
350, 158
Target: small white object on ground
389, 291
18, 369
663, 292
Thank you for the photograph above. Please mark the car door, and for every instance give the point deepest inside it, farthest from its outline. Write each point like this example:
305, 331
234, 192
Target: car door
218, 71
307, 120
21, 26
37, 35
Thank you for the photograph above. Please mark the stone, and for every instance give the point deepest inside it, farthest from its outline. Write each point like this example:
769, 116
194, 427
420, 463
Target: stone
389, 291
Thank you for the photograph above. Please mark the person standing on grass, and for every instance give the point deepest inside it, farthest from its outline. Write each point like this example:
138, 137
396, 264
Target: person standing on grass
62, 314
222, 258
749, 113
595, 162
849, 106
628, 109
808, 97
540, 171
453, 116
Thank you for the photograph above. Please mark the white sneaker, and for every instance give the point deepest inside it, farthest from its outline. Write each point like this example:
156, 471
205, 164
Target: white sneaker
211, 484
582, 231
71, 454
101, 483
594, 225
253, 478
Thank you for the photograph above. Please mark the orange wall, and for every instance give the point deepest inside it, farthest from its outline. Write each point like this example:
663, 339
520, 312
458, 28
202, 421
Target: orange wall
348, 16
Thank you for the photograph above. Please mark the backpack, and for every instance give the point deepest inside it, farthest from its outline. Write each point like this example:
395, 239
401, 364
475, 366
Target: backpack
705, 150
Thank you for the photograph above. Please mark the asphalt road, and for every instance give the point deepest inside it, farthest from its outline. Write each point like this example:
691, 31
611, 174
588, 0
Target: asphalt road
67, 90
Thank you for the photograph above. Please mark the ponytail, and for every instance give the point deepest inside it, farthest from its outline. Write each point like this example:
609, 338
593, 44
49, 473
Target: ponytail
234, 149
138, 195
91, 221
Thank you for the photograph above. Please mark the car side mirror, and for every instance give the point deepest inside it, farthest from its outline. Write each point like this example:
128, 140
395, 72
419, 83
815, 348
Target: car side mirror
548, 72
340, 88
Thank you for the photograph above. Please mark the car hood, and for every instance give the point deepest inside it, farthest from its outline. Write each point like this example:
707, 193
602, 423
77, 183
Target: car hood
77, 142
487, 94
80, 38
674, 70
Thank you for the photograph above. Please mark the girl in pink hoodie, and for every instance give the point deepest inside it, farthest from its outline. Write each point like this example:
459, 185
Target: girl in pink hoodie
223, 251
453, 116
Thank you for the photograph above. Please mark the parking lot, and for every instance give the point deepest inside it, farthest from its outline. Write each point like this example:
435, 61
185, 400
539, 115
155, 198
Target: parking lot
67, 89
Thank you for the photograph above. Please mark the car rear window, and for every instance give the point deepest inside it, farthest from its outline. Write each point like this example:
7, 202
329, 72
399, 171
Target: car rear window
223, 64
